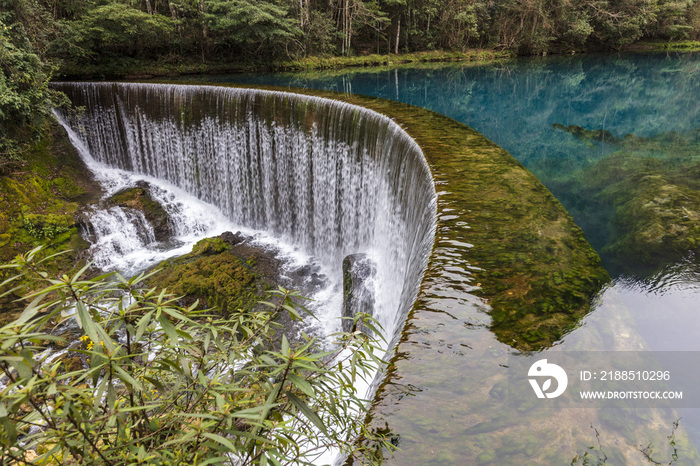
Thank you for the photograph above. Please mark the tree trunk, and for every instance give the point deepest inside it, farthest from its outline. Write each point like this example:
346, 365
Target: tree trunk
173, 15
205, 29
398, 31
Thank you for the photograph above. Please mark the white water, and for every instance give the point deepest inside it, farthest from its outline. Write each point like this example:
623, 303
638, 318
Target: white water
329, 178
122, 240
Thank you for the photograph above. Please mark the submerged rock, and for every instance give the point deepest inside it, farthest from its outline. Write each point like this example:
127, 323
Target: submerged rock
139, 198
359, 272
656, 205
588, 135
642, 200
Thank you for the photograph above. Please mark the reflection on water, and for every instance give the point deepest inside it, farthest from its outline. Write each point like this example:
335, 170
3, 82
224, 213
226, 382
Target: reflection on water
636, 198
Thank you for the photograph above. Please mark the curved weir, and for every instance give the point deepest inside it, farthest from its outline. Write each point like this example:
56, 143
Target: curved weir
331, 177
505, 265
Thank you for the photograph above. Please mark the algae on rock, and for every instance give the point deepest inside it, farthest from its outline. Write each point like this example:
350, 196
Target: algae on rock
646, 197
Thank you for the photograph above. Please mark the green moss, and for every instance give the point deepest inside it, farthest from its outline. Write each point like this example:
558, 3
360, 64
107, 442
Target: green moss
650, 190
210, 246
214, 275
38, 204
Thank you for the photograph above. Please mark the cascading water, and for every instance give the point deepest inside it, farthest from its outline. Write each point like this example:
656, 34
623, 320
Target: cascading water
333, 178
116, 232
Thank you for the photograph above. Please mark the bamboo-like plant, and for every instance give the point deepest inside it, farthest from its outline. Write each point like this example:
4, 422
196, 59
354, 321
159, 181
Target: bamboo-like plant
145, 381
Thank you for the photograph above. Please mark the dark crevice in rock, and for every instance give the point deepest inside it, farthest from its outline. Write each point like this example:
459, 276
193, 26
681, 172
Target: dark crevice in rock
359, 272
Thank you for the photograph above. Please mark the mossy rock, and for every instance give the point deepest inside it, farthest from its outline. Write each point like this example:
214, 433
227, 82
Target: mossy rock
210, 246
140, 198
661, 222
218, 274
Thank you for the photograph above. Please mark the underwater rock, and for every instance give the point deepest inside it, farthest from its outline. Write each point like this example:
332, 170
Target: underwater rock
651, 202
587, 134
139, 198
359, 272
658, 142
657, 210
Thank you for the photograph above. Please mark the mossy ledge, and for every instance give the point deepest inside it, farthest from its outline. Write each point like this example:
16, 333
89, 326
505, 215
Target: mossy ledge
526, 257
39, 201
139, 198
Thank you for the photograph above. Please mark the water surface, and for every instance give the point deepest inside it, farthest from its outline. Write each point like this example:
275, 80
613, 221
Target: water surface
516, 104
567, 120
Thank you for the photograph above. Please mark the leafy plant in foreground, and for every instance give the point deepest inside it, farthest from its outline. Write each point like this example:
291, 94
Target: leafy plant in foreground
149, 382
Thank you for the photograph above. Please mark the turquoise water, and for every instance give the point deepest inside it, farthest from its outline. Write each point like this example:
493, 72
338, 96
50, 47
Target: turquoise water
636, 198
516, 103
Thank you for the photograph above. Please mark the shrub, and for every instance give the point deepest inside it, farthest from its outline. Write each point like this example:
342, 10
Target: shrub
145, 381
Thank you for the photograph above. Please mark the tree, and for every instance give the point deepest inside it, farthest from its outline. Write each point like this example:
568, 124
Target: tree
249, 26
119, 29
151, 382
620, 22
25, 98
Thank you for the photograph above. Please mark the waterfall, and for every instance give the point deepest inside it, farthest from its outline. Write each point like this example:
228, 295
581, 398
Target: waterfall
330, 177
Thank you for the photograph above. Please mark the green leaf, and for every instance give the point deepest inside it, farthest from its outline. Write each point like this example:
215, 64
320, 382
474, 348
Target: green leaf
302, 384
93, 329
80, 272
310, 414
215, 460
127, 377
143, 325
221, 440
181, 440
168, 328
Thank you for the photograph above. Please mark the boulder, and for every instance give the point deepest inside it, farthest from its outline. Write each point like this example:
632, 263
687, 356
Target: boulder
232, 238
139, 198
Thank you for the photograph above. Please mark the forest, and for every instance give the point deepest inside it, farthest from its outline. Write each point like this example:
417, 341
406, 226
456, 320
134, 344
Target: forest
39, 38
84, 31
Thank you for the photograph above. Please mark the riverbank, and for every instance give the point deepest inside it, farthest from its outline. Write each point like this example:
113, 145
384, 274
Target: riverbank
680, 46
176, 66
173, 66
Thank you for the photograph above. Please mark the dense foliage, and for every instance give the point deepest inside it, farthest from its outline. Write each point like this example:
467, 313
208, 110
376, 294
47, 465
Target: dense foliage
90, 31
144, 381
25, 98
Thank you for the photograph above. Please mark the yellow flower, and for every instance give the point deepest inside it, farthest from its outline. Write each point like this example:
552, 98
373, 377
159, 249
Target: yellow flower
89, 344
